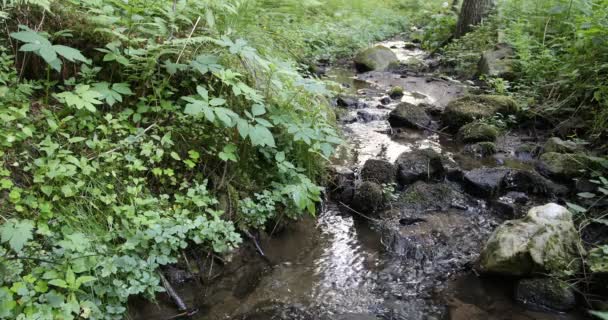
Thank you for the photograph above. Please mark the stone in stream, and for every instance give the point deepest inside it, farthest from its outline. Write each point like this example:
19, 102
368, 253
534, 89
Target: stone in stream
545, 294
368, 198
478, 132
424, 196
546, 240
474, 107
491, 182
558, 145
498, 62
379, 171
409, 115
351, 102
396, 93
485, 182
564, 166
419, 164
378, 58
480, 149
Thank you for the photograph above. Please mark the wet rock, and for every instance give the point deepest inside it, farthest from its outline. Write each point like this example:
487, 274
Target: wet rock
423, 196
366, 116
485, 182
543, 241
480, 149
563, 166
368, 197
509, 206
410, 45
409, 115
346, 102
396, 93
498, 62
545, 294
478, 132
385, 101
378, 58
379, 171
348, 118
350, 102
342, 177
558, 145
419, 164
414, 64
470, 108
532, 183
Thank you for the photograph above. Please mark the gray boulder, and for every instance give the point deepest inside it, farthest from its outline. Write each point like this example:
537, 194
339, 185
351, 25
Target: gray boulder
485, 182
546, 240
423, 196
379, 171
480, 149
378, 58
419, 164
558, 145
545, 294
409, 115
470, 108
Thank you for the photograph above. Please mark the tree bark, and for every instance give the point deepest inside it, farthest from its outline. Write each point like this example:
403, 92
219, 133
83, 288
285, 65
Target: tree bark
471, 14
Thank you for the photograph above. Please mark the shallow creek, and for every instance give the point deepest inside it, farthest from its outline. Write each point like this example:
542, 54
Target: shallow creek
337, 265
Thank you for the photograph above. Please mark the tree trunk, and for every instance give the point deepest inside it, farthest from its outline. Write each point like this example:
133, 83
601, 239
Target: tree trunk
471, 14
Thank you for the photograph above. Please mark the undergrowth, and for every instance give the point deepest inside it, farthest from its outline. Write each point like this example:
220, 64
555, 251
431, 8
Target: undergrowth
134, 130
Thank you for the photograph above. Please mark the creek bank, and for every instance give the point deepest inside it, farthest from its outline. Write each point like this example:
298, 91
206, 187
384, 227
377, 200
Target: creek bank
400, 254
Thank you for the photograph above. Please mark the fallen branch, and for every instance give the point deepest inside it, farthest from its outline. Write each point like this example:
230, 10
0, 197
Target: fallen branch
181, 305
257, 245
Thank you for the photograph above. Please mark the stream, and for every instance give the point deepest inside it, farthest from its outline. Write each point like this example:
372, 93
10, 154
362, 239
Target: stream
340, 265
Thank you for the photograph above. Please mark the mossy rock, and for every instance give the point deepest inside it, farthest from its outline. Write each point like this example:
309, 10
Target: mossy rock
497, 63
564, 166
379, 171
409, 115
558, 145
478, 132
378, 58
396, 92
368, 198
420, 164
426, 196
470, 108
480, 149
545, 294
546, 240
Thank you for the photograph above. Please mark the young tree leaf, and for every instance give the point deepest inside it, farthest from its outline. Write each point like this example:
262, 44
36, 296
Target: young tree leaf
17, 233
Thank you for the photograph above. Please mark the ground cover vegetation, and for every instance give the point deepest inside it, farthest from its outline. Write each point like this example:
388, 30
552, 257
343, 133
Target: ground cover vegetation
136, 132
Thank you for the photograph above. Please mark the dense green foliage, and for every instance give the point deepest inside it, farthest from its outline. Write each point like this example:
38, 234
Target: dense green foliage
133, 131
561, 59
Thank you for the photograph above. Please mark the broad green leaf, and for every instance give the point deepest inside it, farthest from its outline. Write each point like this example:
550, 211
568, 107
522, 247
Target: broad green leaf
576, 208
261, 136
17, 233
70, 54
58, 283
258, 110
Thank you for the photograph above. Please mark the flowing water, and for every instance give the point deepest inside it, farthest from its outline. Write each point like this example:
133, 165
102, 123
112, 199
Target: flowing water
337, 265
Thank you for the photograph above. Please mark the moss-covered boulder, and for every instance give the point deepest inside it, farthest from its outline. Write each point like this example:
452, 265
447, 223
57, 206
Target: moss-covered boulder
558, 145
564, 166
478, 132
543, 241
545, 294
419, 164
480, 149
378, 58
409, 115
368, 197
396, 92
379, 171
423, 196
470, 108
